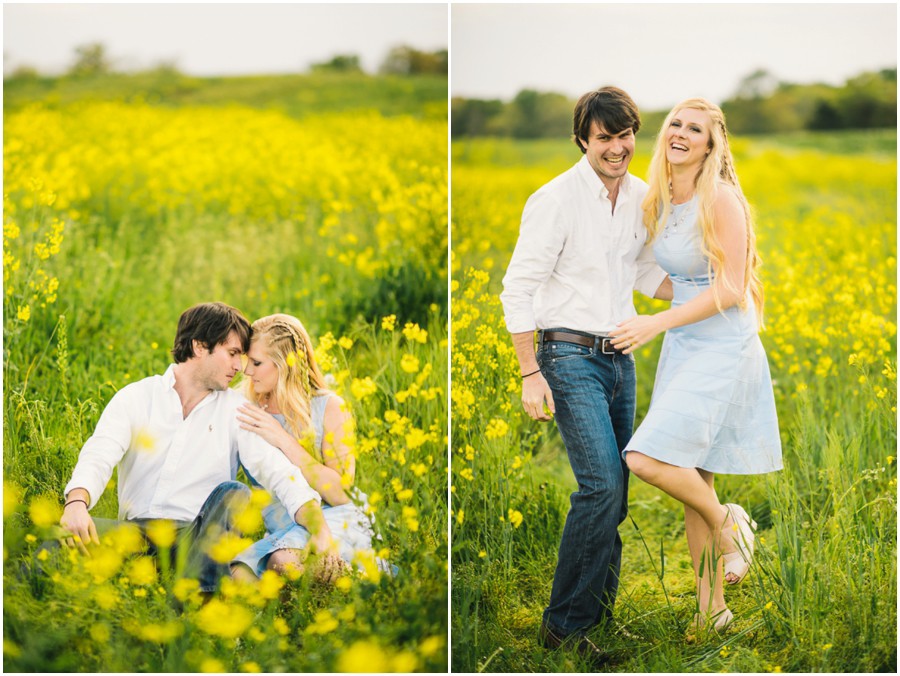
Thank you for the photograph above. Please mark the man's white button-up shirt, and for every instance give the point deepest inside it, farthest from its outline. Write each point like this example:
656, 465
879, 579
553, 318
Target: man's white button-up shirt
168, 464
577, 263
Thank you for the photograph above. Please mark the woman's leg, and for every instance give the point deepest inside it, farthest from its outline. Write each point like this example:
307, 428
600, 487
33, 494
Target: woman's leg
690, 488
241, 573
710, 594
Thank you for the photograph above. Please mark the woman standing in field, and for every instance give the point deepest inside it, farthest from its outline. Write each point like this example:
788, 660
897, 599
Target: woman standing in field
713, 408
292, 410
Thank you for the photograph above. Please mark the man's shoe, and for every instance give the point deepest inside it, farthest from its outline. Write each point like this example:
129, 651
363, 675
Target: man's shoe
576, 642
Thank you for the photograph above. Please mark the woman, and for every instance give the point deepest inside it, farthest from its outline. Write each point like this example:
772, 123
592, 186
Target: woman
292, 410
713, 409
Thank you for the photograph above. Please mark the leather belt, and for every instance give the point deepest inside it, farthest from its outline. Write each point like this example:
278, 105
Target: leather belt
603, 342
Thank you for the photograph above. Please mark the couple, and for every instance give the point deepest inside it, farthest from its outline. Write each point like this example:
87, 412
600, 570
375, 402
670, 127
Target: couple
588, 239
178, 439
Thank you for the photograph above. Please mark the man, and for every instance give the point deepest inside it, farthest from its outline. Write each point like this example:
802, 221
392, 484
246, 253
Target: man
176, 440
580, 255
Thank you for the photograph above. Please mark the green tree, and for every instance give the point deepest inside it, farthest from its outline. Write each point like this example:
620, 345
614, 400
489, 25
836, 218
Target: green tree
340, 63
91, 59
404, 60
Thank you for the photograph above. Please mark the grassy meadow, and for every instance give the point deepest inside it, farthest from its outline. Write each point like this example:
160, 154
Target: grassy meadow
821, 595
123, 206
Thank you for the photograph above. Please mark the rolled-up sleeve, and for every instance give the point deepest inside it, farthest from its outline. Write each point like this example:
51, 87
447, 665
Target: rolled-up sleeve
541, 239
275, 472
648, 275
104, 449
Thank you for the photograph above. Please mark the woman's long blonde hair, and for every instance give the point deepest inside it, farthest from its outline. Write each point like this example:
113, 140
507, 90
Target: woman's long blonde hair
288, 345
717, 169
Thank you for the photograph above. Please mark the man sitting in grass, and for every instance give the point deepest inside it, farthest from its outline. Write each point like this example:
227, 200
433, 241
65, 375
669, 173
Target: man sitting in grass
176, 441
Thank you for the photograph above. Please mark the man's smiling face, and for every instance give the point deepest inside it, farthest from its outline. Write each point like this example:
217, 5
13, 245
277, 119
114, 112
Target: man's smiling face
609, 154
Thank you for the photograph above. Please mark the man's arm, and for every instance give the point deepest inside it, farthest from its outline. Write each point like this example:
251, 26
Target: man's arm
650, 279
535, 390
99, 455
541, 239
664, 290
276, 473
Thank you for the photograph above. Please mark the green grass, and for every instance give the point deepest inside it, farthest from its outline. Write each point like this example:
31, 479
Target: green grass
296, 95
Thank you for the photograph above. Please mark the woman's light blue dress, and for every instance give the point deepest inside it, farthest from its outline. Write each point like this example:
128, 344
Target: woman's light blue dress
713, 406
349, 524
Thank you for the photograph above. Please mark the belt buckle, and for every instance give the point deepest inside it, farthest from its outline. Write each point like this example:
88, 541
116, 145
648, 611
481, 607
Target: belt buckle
603, 343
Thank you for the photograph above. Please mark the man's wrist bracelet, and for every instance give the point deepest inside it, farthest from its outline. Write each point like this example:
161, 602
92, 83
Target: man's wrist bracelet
74, 501
530, 374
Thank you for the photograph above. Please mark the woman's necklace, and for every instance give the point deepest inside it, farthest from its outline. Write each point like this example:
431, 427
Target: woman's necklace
676, 222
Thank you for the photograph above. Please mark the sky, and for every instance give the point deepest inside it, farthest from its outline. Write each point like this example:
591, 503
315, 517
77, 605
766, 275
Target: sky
217, 38
663, 53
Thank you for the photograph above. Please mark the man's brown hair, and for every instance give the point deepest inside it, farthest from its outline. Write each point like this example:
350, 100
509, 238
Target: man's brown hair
610, 107
210, 324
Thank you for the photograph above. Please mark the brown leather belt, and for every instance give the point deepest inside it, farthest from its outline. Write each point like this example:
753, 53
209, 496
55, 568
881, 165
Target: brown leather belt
604, 343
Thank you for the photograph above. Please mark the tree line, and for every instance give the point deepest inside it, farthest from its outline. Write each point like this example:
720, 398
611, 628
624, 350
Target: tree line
93, 60
761, 104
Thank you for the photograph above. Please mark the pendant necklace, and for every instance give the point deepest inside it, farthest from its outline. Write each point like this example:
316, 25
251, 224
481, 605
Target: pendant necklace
676, 223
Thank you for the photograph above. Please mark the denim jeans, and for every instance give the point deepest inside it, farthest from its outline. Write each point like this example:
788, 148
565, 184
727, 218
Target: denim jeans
594, 395
188, 556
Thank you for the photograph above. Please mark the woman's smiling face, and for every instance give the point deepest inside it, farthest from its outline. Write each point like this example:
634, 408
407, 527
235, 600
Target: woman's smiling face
688, 137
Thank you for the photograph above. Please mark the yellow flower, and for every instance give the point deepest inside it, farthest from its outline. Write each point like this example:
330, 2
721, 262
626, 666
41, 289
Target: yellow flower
185, 587
227, 547
323, 623
409, 363
345, 343
141, 570
251, 668
23, 313
270, 584
496, 428
404, 662
343, 584
291, 360
363, 657
249, 520
431, 645
162, 533
387, 323
44, 511
106, 597
280, 626
11, 497
515, 517
210, 665
227, 620
414, 334
362, 388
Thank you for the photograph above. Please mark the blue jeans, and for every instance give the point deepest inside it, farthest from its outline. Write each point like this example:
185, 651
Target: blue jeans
188, 555
594, 395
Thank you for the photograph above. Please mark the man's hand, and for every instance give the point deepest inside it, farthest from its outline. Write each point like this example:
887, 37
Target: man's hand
535, 391
78, 522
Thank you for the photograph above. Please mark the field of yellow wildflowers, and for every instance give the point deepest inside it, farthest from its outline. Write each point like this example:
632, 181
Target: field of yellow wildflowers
822, 592
118, 215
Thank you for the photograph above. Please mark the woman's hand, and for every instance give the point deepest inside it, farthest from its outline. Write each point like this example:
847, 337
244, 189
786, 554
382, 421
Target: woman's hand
637, 331
255, 419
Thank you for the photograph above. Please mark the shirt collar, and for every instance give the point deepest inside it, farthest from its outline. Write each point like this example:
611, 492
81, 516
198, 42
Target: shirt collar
597, 187
169, 377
